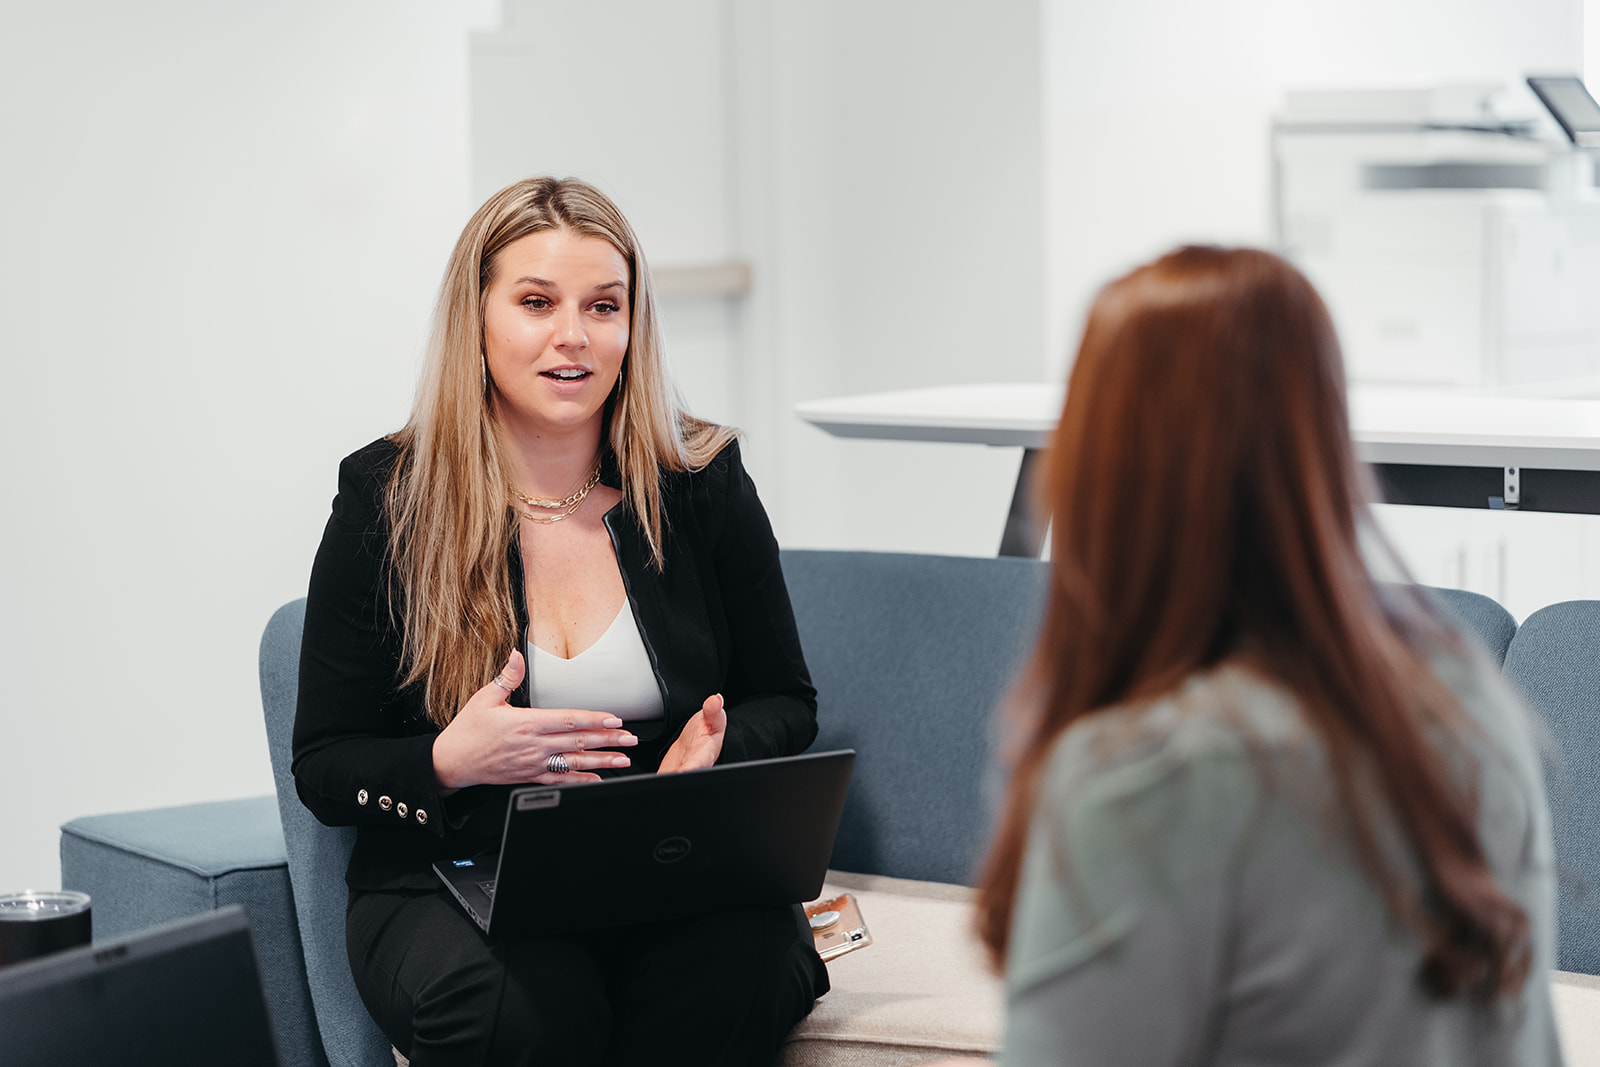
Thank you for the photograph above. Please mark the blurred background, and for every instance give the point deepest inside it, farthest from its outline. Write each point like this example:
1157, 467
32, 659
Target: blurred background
223, 225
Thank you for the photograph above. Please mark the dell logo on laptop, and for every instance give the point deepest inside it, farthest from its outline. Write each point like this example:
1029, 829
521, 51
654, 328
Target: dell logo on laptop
672, 849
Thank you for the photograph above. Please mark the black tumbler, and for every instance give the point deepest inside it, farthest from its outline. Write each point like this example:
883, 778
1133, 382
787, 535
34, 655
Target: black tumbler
34, 924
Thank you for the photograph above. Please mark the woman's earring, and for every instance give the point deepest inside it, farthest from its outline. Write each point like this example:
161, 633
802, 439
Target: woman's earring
483, 362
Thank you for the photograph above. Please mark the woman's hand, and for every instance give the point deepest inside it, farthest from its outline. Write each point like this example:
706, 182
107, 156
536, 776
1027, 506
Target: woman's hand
700, 743
489, 742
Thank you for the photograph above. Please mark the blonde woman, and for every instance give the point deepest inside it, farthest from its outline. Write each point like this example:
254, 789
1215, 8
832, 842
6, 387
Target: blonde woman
551, 573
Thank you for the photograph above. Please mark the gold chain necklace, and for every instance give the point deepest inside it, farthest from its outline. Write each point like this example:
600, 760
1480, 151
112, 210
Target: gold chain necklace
570, 502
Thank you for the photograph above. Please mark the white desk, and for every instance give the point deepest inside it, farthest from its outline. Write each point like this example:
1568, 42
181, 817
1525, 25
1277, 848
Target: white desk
1427, 447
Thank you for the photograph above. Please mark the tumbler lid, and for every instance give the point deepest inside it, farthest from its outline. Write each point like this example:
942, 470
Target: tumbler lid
32, 905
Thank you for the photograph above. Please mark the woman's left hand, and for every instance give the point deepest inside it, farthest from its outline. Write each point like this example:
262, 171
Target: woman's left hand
700, 743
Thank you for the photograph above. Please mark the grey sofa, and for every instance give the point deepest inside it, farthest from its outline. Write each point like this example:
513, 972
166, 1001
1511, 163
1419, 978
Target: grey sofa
909, 654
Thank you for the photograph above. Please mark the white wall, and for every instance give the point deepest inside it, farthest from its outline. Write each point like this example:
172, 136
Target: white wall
1157, 112
896, 181
223, 228
1591, 44
655, 135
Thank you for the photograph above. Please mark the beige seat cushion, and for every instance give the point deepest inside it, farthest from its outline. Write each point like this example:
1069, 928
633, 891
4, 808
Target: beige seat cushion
1577, 1002
921, 991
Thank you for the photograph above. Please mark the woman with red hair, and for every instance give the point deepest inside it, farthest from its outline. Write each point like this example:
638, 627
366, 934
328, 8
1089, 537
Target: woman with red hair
1262, 808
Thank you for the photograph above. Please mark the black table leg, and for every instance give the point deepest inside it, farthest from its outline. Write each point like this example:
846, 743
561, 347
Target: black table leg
1024, 536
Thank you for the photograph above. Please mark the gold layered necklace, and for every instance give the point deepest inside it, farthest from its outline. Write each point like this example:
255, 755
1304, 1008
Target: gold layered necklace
566, 505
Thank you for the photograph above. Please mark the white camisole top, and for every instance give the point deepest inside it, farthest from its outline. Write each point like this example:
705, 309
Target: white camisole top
611, 675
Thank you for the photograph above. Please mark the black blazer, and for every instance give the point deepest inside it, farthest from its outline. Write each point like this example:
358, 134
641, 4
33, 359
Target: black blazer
716, 619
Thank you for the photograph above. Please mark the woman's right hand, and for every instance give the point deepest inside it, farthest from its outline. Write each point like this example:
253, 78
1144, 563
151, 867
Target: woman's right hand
489, 742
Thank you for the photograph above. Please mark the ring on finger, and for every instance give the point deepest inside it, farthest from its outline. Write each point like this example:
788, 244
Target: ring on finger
500, 680
557, 763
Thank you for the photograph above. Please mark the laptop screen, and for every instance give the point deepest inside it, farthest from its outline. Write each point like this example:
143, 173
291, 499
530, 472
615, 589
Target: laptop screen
185, 993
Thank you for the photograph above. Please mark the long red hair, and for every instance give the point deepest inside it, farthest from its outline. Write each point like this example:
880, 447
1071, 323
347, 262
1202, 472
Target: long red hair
1206, 499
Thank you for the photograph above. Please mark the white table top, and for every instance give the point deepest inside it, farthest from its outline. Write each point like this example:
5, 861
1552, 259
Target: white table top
1391, 425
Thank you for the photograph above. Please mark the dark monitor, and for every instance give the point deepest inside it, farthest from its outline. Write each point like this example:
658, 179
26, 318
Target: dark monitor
187, 993
1569, 101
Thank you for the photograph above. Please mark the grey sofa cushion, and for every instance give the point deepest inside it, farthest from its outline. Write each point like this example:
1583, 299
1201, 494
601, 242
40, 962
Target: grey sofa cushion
1555, 662
938, 640
317, 858
1477, 616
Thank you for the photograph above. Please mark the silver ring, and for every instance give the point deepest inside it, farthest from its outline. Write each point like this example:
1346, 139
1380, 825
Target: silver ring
500, 680
556, 764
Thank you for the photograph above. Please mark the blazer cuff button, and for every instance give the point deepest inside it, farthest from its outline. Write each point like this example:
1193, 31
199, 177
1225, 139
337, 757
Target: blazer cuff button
422, 817
401, 810
385, 803
361, 798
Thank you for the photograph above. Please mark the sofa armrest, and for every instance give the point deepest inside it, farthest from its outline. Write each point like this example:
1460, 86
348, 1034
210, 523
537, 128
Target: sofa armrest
141, 868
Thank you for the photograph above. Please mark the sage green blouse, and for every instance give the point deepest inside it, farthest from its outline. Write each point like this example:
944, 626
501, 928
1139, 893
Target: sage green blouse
1189, 895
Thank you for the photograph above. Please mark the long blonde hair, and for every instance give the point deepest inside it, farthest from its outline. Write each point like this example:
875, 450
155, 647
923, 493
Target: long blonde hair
450, 526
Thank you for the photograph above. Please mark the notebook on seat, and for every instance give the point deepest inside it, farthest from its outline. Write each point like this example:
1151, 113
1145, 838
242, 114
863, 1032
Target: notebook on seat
656, 846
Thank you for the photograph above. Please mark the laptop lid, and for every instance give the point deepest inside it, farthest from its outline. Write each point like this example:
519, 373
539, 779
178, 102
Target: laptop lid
658, 846
185, 993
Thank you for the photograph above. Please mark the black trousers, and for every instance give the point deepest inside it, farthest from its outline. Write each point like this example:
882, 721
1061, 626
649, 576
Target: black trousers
720, 989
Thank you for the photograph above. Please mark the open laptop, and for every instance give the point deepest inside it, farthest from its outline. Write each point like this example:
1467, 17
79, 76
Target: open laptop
657, 846
185, 994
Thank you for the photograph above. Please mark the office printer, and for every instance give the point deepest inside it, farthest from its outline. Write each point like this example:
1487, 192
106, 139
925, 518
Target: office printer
1454, 232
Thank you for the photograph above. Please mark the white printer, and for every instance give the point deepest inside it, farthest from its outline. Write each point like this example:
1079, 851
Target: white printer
1454, 232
